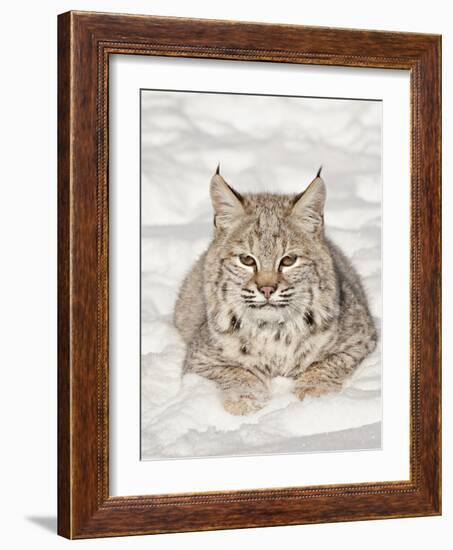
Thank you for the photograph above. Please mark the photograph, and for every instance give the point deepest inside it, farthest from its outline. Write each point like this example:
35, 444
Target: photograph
225, 281
261, 274
249, 272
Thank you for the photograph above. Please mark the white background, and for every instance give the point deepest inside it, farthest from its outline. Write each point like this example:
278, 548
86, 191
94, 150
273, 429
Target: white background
28, 270
129, 475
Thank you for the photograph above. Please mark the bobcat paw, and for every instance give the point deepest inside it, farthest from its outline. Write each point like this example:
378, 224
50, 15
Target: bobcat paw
242, 404
302, 391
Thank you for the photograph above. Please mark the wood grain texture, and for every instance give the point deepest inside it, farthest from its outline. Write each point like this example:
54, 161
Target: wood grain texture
86, 40
64, 369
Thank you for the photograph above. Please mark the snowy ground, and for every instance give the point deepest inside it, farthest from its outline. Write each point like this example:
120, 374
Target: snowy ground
263, 143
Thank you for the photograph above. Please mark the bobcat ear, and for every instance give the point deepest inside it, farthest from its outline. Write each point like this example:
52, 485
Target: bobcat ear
227, 202
309, 206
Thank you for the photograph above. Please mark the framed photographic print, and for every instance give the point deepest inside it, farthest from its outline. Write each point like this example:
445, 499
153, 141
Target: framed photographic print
249, 275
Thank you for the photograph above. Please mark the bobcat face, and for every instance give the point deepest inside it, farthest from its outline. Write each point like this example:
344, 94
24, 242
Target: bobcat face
268, 250
268, 281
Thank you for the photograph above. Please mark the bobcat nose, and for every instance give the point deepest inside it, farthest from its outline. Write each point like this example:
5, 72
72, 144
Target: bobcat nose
267, 291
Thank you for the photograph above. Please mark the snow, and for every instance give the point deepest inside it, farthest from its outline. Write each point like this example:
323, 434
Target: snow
263, 143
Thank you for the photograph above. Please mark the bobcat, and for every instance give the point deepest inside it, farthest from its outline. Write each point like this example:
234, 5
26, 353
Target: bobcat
272, 296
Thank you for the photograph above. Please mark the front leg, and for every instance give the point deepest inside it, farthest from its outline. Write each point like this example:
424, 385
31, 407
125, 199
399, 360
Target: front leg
244, 390
329, 374
325, 376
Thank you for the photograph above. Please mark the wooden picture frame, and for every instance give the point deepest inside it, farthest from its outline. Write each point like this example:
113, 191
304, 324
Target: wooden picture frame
85, 42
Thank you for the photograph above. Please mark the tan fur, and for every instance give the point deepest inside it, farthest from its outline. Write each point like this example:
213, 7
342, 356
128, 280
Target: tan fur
315, 328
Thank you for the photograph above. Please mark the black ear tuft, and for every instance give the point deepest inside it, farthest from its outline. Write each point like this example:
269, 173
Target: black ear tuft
218, 169
318, 174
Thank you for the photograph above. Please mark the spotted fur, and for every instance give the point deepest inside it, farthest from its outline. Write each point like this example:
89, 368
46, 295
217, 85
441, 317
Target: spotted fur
315, 327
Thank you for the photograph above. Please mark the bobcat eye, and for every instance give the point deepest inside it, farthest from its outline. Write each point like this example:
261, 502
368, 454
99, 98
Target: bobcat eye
288, 260
247, 260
